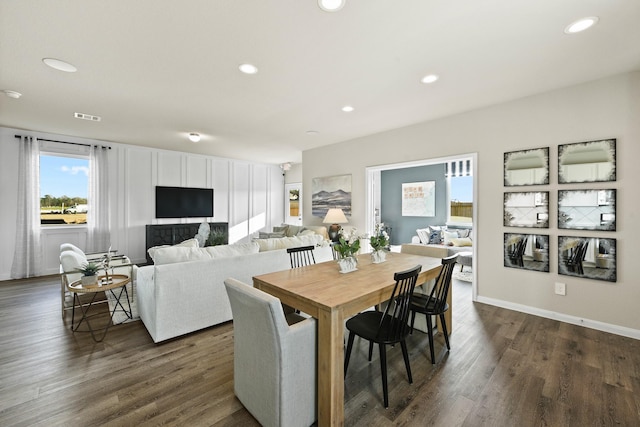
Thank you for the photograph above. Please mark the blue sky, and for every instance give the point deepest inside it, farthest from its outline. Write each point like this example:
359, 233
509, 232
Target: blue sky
462, 189
64, 176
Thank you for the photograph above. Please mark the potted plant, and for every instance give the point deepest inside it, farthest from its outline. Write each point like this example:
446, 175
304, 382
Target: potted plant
89, 273
380, 243
347, 248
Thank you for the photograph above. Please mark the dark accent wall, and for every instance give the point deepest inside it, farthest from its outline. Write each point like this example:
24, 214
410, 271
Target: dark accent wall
403, 228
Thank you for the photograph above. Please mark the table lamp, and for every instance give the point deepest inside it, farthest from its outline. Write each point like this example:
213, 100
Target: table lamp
334, 216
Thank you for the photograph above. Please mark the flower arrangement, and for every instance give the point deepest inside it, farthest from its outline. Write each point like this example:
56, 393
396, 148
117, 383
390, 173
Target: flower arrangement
380, 239
348, 244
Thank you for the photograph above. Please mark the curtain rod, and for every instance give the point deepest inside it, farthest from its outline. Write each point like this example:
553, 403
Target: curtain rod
66, 142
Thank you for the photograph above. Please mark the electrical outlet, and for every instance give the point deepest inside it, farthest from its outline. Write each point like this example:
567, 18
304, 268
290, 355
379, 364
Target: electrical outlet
561, 288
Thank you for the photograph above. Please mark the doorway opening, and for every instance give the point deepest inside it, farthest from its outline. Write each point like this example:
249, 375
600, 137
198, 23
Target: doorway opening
457, 207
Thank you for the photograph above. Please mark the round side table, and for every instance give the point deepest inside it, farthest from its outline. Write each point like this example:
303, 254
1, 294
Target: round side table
107, 283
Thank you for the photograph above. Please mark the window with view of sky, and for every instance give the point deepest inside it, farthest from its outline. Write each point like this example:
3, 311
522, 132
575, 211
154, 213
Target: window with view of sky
64, 183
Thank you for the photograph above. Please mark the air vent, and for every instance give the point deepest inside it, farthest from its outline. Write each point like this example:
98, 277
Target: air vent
87, 117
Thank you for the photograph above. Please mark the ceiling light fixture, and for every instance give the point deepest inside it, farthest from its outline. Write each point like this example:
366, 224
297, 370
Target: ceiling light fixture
59, 65
248, 68
312, 132
429, 78
194, 137
347, 108
331, 5
12, 94
581, 25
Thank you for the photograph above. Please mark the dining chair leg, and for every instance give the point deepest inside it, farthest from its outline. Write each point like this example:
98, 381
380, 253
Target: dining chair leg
413, 319
347, 355
405, 354
444, 331
383, 368
430, 333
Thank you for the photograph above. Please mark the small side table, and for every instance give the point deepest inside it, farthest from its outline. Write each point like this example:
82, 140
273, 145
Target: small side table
111, 283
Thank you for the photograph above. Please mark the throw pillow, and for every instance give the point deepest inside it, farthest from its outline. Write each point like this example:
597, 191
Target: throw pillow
448, 237
190, 243
423, 234
461, 241
293, 230
435, 234
265, 235
463, 233
283, 228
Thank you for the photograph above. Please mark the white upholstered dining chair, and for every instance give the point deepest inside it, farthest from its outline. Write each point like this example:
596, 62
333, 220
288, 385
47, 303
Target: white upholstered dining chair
274, 358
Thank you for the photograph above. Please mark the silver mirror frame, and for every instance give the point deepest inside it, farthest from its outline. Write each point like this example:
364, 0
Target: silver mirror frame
587, 210
532, 254
533, 162
535, 215
591, 161
587, 257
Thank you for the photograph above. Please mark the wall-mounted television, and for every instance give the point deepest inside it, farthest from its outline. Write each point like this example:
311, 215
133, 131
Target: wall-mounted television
183, 202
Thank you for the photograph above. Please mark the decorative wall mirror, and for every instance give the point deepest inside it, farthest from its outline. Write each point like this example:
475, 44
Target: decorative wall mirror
588, 257
592, 161
527, 209
527, 167
587, 209
526, 251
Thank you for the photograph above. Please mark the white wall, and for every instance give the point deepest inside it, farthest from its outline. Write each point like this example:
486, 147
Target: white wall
247, 195
607, 108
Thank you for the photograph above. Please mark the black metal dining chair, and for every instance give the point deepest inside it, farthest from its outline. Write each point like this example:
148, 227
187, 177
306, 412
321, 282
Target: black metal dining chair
435, 303
386, 327
301, 256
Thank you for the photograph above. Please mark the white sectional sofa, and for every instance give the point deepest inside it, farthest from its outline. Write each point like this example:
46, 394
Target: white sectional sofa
184, 296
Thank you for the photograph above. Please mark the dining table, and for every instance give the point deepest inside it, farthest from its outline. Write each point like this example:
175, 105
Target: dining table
323, 292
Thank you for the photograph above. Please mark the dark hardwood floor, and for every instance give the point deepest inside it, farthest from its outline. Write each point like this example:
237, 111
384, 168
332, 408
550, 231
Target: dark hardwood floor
505, 369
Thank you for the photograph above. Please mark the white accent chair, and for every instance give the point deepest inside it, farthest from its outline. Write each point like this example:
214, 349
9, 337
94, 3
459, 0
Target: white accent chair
274, 358
72, 258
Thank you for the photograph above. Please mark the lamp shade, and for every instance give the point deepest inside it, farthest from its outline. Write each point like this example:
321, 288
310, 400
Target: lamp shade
335, 216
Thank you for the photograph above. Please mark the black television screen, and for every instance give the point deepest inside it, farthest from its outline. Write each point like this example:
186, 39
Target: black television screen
183, 202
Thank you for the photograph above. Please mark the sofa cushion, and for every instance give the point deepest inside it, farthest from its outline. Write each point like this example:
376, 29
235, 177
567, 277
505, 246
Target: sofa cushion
288, 242
174, 254
226, 251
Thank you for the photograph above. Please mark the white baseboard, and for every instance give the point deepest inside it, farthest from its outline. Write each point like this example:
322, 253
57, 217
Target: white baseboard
593, 324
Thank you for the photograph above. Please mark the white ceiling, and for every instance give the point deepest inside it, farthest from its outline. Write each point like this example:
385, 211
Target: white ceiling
155, 70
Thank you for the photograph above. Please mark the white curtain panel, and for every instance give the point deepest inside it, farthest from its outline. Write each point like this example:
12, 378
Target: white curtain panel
98, 235
27, 258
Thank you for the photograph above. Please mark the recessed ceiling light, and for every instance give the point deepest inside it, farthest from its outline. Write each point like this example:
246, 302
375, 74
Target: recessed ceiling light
12, 94
331, 5
194, 137
581, 25
60, 65
312, 132
429, 78
248, 68
347, 108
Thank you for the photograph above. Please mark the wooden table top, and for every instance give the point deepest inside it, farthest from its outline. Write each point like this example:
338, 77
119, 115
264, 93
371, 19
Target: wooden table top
323, 287
115, 281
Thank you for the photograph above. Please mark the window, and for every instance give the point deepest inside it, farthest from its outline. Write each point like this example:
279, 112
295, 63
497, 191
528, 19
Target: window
460, 184
64, 183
